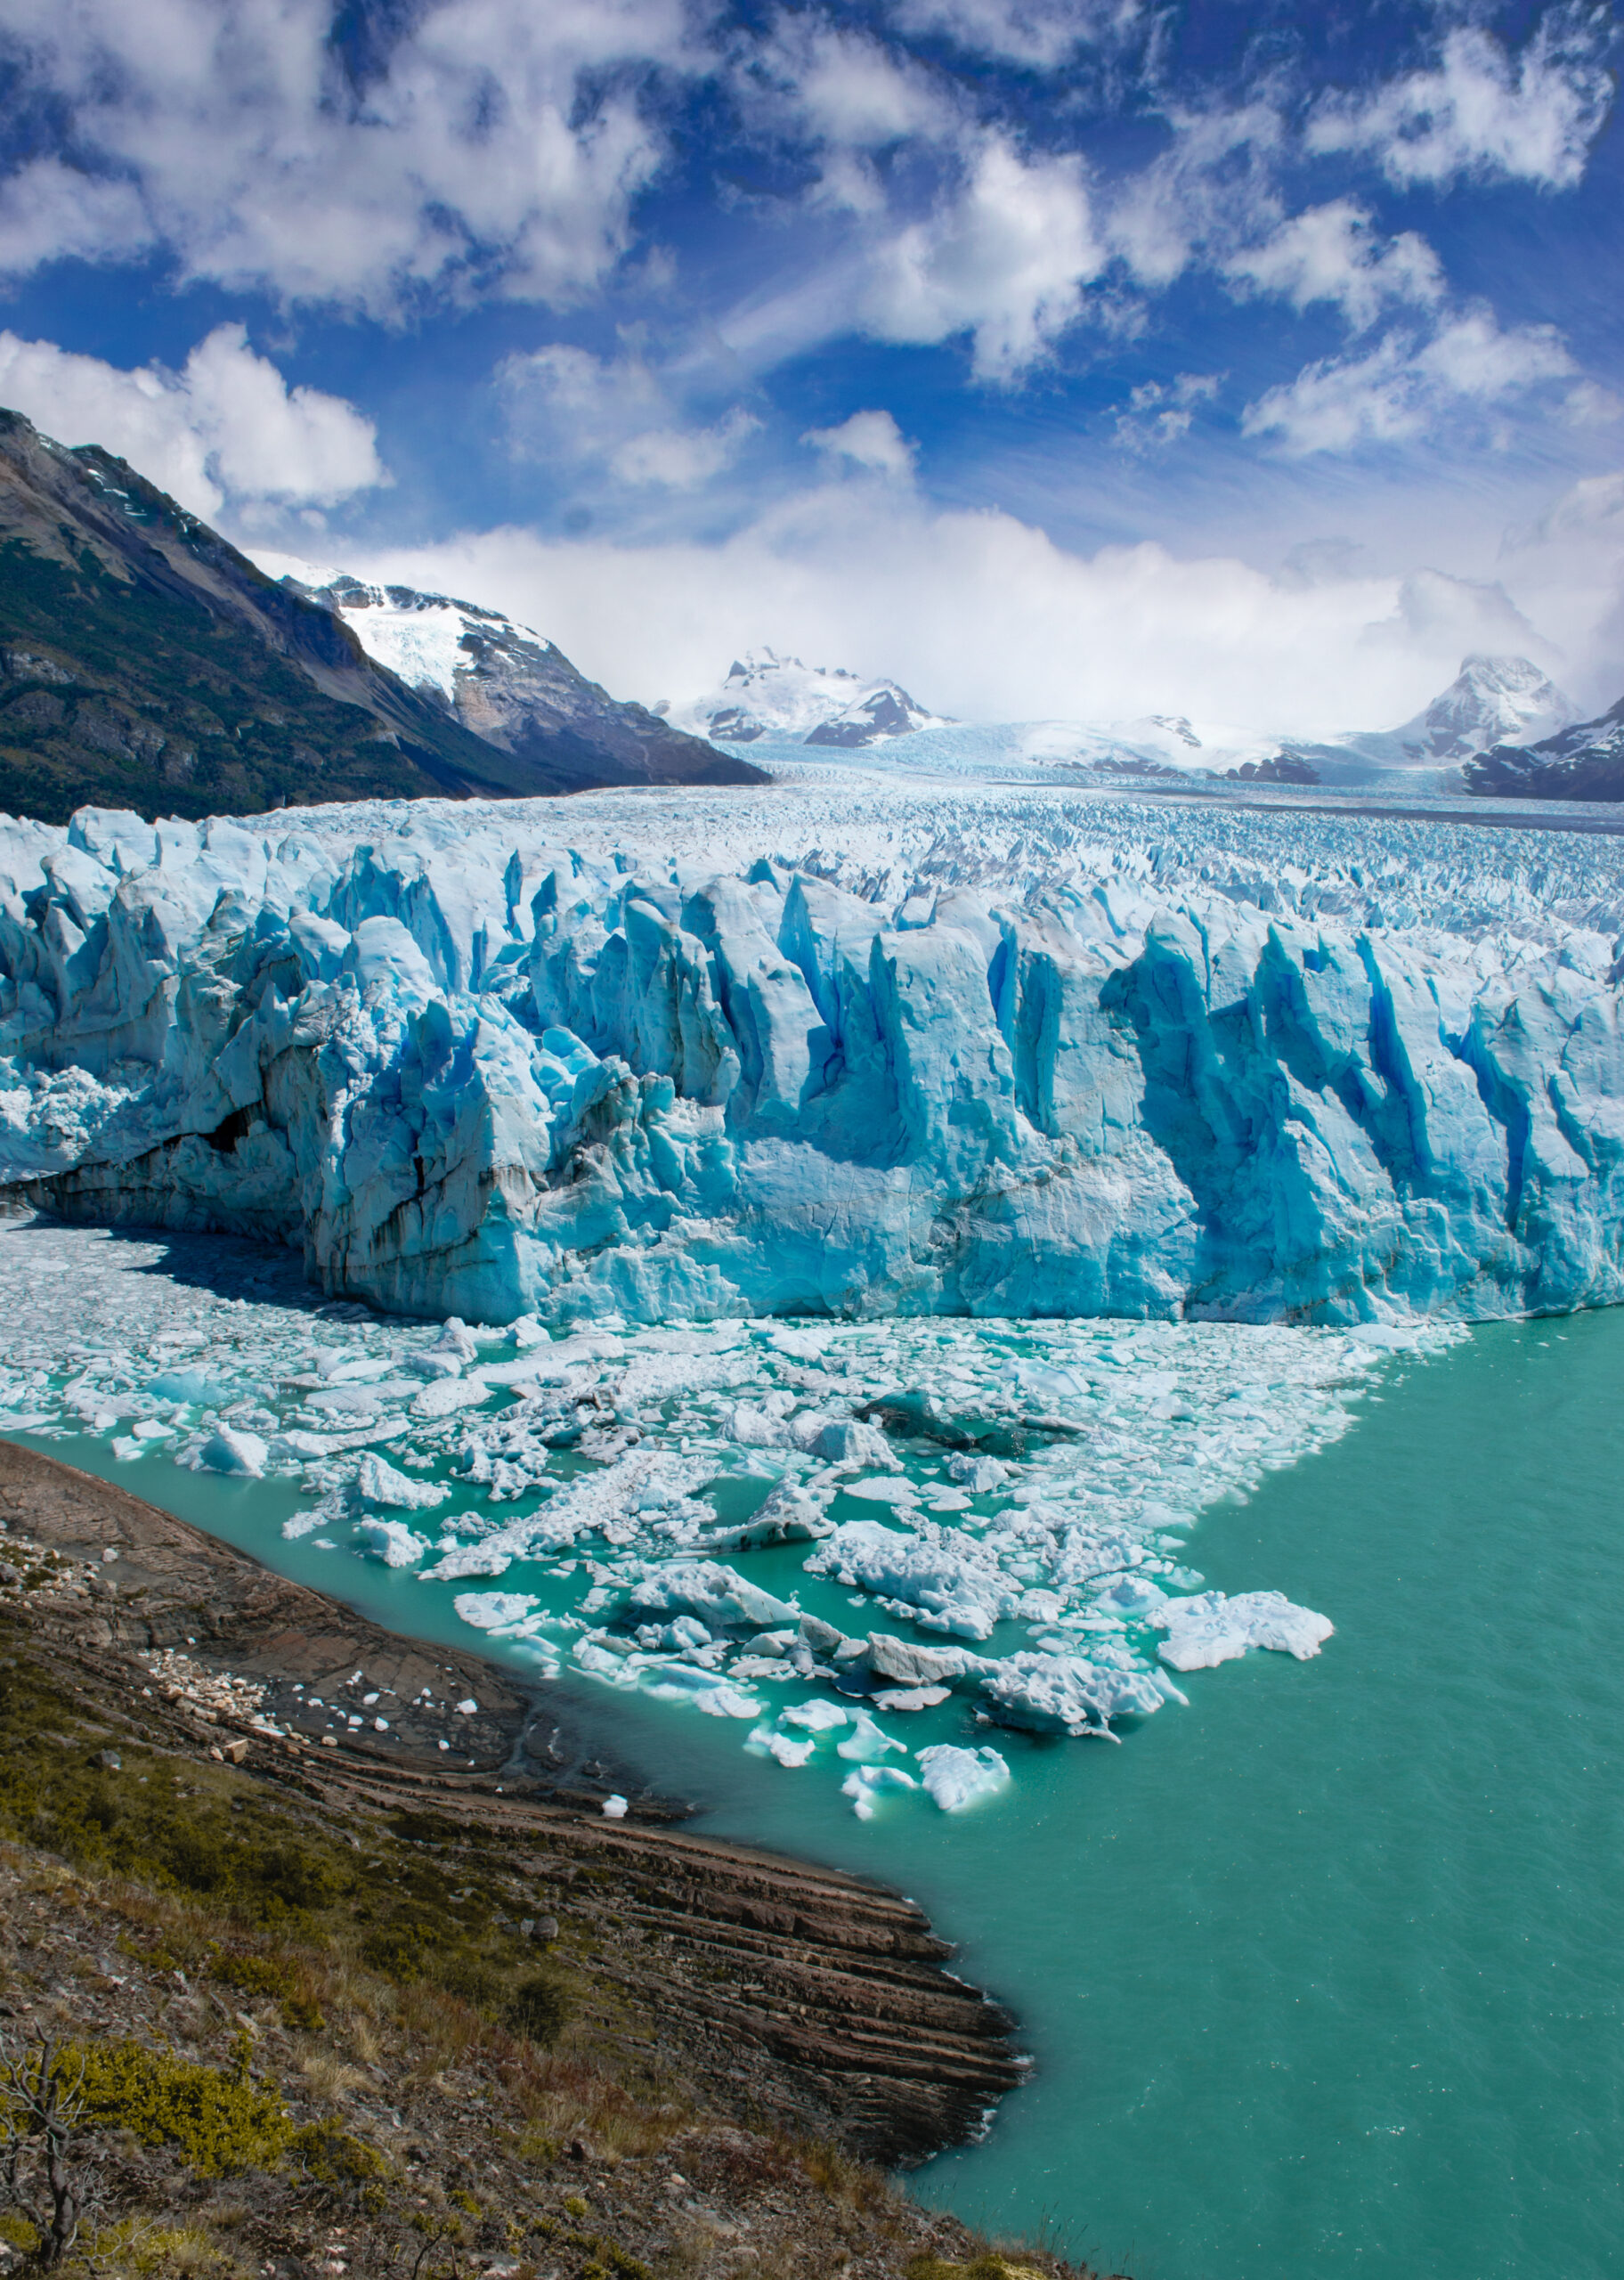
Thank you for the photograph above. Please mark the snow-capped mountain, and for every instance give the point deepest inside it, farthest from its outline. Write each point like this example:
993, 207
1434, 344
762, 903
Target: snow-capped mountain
1582, 762
512, 686
1492, 701
777, 697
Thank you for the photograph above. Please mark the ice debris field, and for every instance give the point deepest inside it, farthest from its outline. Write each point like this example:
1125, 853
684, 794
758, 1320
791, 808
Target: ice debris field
889, 1550
857, 1045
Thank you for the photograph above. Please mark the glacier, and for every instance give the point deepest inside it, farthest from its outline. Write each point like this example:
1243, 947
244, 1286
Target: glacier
904, 1047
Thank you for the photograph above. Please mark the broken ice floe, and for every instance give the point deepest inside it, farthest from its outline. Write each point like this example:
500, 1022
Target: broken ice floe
592, 1507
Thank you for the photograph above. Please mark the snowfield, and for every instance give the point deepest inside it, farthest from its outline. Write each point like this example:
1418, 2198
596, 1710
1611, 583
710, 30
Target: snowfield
855, 1045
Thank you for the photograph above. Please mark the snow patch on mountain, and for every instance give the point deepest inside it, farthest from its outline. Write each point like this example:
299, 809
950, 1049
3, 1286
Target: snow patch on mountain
766, 695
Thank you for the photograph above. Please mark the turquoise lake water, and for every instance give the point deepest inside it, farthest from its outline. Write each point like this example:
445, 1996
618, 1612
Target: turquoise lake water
1323, 1974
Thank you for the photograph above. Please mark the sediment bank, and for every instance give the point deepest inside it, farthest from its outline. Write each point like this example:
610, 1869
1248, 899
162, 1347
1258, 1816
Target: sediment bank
773, 1990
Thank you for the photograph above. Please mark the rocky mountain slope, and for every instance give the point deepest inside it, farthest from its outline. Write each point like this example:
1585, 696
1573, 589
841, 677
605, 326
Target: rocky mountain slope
517, 690
145, 663
1492, 701
301, 1969
767, 696
1584, 761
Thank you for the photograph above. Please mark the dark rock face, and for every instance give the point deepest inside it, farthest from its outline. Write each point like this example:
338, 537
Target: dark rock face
1284, 767
521, 695
1583, 763
888, 712
145, 664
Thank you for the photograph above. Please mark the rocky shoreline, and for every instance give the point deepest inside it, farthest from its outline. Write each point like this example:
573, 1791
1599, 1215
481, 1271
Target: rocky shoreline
772, 1988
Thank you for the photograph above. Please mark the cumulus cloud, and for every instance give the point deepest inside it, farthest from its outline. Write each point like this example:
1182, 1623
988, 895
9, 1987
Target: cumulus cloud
1004, 259
1333, 253
226, 427
1482, 111
681, 459
579, 411
475, 149
868, 439
1404, 388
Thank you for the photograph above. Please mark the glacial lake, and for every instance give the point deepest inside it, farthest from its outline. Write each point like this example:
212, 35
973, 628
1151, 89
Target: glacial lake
1321, 1973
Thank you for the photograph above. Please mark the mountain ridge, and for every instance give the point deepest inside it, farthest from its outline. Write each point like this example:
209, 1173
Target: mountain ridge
146, 664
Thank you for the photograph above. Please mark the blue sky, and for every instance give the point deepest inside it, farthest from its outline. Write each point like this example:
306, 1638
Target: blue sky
1074, 356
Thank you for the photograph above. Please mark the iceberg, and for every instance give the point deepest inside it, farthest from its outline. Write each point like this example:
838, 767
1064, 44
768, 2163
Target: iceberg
1006, 1053
1211, 1629
958, 1778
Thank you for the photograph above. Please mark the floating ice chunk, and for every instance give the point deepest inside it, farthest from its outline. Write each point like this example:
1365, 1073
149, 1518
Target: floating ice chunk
230, 1450
817, 1716
791, 1515
910, 1665
721, 1700
890, 1490
766, 1742
304, 1524
493, 1610
1134, 1595
945, 1580
303, 1445
1211, 1629
868, 1743
911, 1698
716, 1595
444, 1397
1050, 1694
958, 1778
127, 1448
392, 1541
150, 1430
380, 1483
433, 1365
864, 1783
843, 1440
458, 1560
614, 1808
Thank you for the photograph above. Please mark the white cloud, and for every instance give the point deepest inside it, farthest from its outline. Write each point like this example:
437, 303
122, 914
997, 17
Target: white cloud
578, 410
1004, 259
1479, 112
1404, 388
1042, 33
868, 439
228, 131
979, 614
1333, 253
1446, 615
225, 427
682, 458
1161, 412
50, 212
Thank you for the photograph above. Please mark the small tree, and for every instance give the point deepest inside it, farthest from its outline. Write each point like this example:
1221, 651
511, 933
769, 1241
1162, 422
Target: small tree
41, 2106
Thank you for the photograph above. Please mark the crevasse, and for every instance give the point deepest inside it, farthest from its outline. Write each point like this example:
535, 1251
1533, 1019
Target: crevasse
1054, 1060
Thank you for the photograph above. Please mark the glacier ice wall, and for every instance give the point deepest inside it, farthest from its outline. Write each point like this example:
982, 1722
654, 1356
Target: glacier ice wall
842, 1048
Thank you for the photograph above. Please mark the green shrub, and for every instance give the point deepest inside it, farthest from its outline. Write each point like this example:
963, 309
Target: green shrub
218, 2122
399, 1949
269, 1976
471, 1976
539, 2007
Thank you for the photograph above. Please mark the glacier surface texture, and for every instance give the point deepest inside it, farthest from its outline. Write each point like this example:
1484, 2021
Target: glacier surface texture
850, 1045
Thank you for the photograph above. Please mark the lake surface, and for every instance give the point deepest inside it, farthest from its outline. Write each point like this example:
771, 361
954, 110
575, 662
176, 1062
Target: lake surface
1321, 1974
